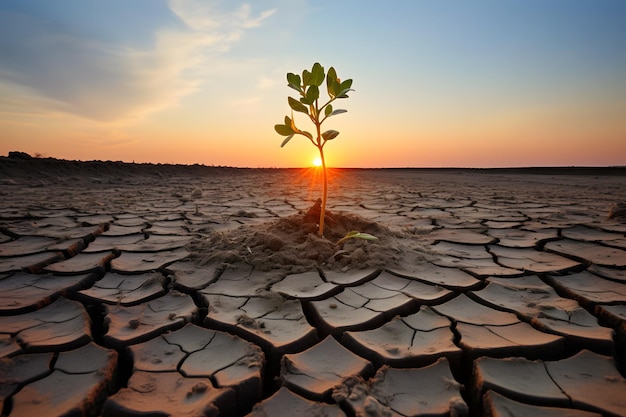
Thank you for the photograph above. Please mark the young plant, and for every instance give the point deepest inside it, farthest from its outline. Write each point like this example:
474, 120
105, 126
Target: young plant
355, 234
308, 86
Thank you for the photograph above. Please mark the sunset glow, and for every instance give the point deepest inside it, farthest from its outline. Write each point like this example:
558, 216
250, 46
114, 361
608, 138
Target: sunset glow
317, 162
437, 84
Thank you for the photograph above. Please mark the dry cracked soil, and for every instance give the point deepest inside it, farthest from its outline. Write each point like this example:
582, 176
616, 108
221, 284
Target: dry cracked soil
156, 290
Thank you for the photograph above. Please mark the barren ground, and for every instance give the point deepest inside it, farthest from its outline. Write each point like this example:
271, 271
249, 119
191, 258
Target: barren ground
197, 290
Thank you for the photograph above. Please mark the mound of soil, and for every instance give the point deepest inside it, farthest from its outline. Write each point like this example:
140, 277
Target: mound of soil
292, 245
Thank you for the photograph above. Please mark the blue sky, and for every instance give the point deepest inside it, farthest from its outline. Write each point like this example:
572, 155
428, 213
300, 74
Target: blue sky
438, 82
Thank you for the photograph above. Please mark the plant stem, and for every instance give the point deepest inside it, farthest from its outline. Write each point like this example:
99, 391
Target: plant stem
325, 192
315, 116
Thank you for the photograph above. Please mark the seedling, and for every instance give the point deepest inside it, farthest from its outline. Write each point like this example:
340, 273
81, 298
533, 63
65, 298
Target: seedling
308, 86
356, 235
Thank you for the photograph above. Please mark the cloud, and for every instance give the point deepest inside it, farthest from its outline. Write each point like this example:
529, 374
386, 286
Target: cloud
207, 16
247, 21
61, 70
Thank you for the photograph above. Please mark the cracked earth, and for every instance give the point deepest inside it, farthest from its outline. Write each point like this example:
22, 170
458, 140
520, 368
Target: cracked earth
505, 296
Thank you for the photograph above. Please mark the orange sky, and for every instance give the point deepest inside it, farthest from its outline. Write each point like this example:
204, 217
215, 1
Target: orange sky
190, 81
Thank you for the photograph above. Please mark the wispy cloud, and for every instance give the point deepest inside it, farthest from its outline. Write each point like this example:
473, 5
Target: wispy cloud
60, 70
211, 16
246, 20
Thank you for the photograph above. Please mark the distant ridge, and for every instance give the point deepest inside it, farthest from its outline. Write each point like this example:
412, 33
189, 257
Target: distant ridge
22, 165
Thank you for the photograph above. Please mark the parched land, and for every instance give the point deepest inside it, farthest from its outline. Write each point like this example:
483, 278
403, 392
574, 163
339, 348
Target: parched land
140, 289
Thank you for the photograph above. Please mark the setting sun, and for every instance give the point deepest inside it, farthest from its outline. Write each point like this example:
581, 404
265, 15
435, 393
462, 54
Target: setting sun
317, 162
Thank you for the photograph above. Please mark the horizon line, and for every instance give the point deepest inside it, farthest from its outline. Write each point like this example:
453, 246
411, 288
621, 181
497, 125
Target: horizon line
17, 155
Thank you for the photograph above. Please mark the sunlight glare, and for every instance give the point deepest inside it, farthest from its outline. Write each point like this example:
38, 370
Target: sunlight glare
317, 162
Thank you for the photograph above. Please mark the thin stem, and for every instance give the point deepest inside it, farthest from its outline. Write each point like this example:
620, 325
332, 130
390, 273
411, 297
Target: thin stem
323, 210
318, 124
320, 146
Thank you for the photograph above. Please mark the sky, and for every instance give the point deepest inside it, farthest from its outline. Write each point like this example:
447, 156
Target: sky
438, 83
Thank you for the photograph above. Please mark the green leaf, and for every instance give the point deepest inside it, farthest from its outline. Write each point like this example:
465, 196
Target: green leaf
332, 82
307, 134
332, 74
297, 106
338, 111
292, 121
312, 94
345, 85
357, 235
306, 78
290, 124
365, 236
330, 134
343, 93
328, 110
342, 88
294, 80
287, 139
283, 130
317, 74
306, 101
